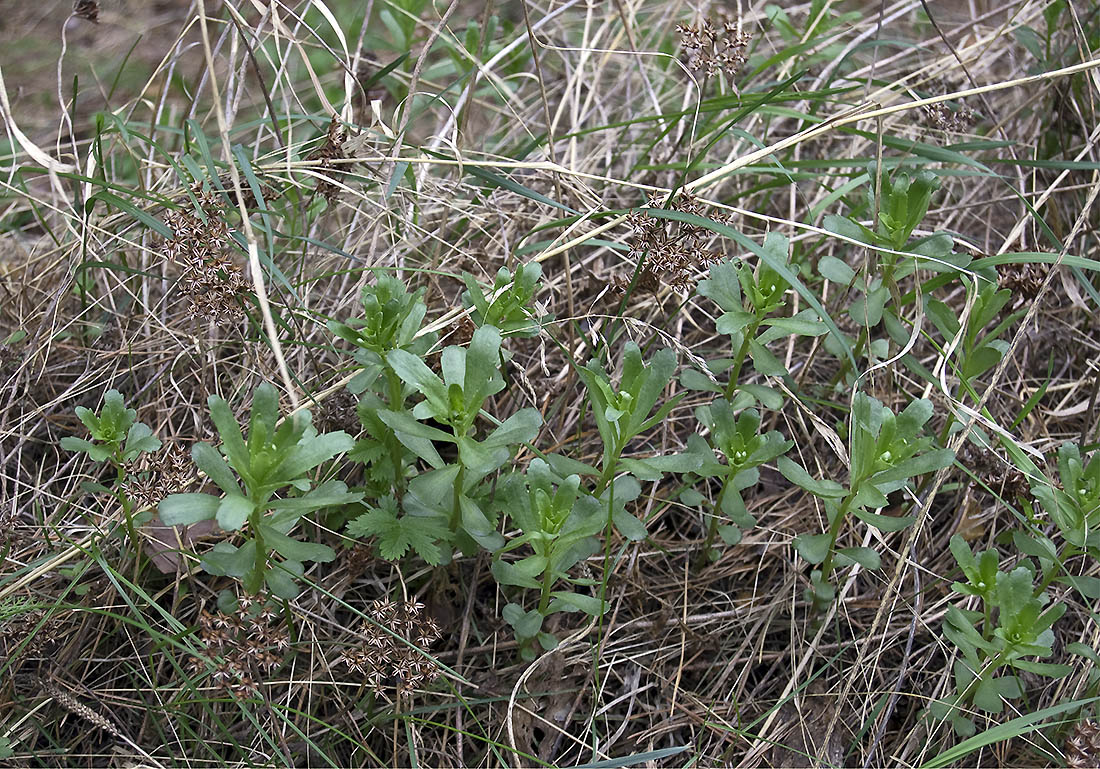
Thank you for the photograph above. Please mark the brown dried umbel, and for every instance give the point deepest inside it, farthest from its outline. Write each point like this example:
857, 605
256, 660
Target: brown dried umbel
338, 412
383, 659
211, 279
1023, 280
331, 151
461, 332
1005, 480
240, 647
9, 360
87, 9
943, 118
23, 626
168, 471
357, 560
950, 117
713, 49
1083, 746
670, 253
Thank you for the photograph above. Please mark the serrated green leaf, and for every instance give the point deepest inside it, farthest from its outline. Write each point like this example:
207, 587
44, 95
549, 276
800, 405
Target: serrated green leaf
397, 534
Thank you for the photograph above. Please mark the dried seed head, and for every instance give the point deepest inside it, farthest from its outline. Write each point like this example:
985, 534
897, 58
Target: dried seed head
711, 49
338, 412
9, 360
87, 9
211, 279
357, 559
382, 658
671, 253
20, 628
168, 471
74, 706
1026, 280
943, 118
239, 646
1083, 746
330, 151
995, 472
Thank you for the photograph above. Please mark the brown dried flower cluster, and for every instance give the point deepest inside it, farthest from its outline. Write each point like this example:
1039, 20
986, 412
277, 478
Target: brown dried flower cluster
462, 331
1023, 280
383, 658
211, 279
22, 627
943, 118
670, 252
241, 645
9, 359
996, 473
330, 151
357, 559
338, 412
168, 471
87, 9
951, 117
713, 49
1083, 746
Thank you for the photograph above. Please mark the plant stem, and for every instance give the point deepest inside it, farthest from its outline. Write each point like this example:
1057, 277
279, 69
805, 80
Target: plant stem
739, 359
834, 532
547, 584
610, 466
127, 513
712, 528
456, 505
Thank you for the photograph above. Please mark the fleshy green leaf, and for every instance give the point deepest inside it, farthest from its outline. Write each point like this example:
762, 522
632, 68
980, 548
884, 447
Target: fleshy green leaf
228, 561
864, 556
183, 509
795, 473
294, 550
210, 461
233, 511
812, 547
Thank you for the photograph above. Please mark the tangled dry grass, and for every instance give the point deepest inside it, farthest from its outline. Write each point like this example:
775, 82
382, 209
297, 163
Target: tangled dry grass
441, 167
